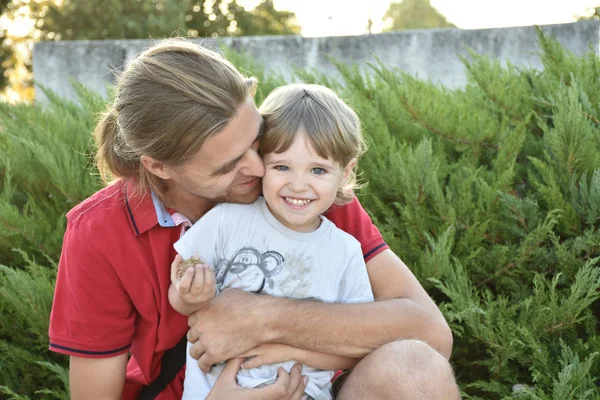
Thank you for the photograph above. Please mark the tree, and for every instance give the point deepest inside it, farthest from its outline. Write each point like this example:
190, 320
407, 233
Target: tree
266, 20
414, 14
130, 19
139, 19
593, 13
6, 53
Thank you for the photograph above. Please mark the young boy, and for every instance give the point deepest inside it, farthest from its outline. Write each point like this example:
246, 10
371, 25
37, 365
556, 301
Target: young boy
281, 245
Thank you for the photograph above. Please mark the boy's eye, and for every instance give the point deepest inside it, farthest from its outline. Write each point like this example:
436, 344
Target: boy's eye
281, 168
318, 171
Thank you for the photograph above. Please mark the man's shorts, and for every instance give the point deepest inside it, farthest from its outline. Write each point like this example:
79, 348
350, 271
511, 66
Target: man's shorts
338, 380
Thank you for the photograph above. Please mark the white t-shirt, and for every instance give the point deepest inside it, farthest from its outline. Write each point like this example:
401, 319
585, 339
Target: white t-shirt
251, 250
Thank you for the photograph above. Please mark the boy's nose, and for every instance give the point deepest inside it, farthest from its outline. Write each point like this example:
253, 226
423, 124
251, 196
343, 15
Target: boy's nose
298, 183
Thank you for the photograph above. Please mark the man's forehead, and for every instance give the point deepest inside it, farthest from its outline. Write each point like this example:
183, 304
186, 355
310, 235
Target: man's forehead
237, 136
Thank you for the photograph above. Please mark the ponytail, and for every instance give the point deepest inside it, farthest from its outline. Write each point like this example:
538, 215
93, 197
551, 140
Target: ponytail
111, 161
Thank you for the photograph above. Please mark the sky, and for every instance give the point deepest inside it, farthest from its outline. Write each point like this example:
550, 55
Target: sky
344, 17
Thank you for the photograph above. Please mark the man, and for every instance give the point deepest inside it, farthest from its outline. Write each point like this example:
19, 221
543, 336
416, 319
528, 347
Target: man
182, 135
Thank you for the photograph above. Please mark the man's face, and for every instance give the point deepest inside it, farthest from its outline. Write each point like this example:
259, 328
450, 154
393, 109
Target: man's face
228, 167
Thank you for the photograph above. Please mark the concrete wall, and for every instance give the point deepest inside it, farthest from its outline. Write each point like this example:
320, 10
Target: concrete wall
432, 54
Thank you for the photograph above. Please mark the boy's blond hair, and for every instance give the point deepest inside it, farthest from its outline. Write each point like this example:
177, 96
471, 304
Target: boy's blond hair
332, 127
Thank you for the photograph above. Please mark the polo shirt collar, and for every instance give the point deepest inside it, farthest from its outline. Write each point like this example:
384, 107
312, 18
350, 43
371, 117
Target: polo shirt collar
148, 211
140, 210
163, 216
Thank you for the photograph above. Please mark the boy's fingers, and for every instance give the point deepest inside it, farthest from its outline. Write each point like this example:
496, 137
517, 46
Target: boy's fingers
230, 371
198, 283
175, 267
186, 281
283, 378
298, 382
209, 278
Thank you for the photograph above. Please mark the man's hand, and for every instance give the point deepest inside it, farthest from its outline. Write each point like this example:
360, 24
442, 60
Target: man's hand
268, 353
287, 387
196, 286
226, 327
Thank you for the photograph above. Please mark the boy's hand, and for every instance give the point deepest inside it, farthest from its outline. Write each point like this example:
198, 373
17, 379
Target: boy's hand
268, 353
287, 387
196, 285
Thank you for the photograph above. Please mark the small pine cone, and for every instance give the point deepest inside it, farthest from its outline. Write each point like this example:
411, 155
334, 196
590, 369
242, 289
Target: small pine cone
188, 263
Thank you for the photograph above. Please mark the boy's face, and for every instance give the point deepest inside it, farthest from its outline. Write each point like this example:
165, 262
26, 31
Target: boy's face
299, 185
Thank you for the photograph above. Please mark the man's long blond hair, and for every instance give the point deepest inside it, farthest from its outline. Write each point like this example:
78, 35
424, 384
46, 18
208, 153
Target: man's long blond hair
168, 101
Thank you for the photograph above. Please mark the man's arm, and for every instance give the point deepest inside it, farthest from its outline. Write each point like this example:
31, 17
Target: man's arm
402, 310
97, 378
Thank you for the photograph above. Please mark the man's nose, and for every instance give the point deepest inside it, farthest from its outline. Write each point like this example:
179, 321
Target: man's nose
253, 164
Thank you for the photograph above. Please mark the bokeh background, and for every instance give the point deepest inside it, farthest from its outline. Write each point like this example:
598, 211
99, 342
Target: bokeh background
24, 22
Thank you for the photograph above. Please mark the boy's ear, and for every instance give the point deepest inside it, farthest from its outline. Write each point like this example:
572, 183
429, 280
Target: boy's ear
156, 167
348, 169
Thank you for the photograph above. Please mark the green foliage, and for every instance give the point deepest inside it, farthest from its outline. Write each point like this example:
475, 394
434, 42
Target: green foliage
266, 20
490, 193
414, 14
140, 19
26, 291
7, 56
128, 19
45, 169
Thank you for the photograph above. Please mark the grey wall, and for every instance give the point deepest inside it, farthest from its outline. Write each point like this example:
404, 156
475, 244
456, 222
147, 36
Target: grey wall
432, 54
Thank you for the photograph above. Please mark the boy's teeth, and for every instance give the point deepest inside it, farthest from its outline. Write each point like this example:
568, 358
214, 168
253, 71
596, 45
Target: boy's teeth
297, 202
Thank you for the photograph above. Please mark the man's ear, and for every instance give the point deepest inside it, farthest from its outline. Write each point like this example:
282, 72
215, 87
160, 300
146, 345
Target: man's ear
156, 167
348, 169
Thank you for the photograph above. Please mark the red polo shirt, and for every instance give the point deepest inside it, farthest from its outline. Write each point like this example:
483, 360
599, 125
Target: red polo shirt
111, 292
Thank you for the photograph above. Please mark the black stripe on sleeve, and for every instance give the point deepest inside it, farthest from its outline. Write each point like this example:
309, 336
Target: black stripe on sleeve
365, 256
91, 353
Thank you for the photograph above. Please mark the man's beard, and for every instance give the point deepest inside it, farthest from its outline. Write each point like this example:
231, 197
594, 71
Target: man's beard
239, 198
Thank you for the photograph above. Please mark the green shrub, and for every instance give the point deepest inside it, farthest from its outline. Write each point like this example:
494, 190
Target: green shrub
490, 193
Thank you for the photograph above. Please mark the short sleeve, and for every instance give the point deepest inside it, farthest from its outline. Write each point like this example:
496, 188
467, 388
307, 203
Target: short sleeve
202, 238
92, 315
354, 220
355, 286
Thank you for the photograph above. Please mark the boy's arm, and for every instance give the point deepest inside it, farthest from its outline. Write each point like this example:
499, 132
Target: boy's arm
273, 353
326, 361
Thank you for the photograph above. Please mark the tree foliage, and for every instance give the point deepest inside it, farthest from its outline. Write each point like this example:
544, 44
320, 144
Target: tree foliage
139, 19
414, 14
592, 13
6, 54
129, 19
490, 193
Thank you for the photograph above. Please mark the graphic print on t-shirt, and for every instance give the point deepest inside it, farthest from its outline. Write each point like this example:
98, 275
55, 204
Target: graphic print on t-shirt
248, 270
297, 282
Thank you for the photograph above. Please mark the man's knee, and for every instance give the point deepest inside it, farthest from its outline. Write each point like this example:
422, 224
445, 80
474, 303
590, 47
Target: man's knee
406, 369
